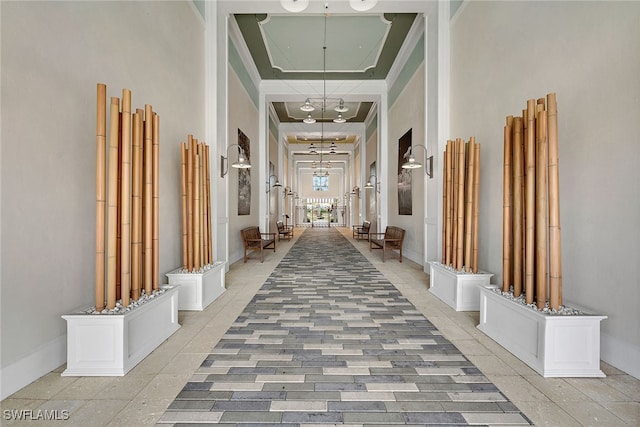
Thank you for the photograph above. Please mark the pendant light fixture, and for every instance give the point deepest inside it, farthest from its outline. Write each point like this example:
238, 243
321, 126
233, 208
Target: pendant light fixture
294, 5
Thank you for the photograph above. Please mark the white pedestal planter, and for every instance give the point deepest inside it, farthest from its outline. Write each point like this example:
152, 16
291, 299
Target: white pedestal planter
198, 290
552, 345
459, 290
112, 344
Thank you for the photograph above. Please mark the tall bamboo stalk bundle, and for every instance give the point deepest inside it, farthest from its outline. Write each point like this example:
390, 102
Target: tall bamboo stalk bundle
534, 191
196, 201
122, 183
101, 191
460, 204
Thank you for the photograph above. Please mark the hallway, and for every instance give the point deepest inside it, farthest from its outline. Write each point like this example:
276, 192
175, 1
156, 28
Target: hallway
153, 391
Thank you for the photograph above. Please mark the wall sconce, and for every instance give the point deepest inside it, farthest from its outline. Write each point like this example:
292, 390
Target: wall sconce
412, 164
370, 186
240, 164
276, 184
356, 191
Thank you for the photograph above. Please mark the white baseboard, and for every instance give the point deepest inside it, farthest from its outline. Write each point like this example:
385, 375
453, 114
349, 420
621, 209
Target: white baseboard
620, 355
23, 372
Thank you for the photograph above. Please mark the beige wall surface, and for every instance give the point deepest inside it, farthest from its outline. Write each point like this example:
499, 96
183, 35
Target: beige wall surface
503, 53
406, 113
53, 55
242, 115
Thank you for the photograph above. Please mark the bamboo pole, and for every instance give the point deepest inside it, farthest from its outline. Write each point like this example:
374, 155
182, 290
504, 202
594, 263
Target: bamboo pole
468, 237
541, 209
208, 175
530, 188
205, 206
190, 203
112, 203
476, 210
518, 169
202, 200
155, 243
454, 205
196, 209
444, 207
136, 205
125, 207
507, 244
119, 212
183, 189
555, 255
460, 206
147, 201
101, 190
449, 180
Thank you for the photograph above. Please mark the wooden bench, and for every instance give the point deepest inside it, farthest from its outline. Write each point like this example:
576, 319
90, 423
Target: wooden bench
254, 240
361, 231
284, 231
390, 240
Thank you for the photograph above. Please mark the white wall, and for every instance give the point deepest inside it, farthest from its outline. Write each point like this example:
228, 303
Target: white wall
503, 53
408, 112
243, 115
53, 55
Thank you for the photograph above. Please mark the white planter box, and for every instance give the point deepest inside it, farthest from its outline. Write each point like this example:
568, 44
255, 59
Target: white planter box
459, 290
552, 345
112, 344
198, 290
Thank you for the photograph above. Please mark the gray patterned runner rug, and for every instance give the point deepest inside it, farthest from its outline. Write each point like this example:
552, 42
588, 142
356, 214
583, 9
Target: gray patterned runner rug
327, 340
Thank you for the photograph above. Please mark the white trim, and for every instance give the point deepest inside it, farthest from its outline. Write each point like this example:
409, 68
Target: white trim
235, 35
42, 361
197, 13
410, 42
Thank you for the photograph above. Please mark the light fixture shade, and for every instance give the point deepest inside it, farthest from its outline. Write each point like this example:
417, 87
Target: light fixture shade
341, 108
339, 119
369, 185
306, 107
362, 5
309, 119
295, 5
411, 163
241, 164
277, 184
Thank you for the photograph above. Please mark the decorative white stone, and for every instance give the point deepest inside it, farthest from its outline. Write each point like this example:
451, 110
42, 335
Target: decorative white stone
112, 344
553, 345
198, 290
460, 290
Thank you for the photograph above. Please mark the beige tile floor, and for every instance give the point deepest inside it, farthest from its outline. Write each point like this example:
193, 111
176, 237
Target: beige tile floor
141, 397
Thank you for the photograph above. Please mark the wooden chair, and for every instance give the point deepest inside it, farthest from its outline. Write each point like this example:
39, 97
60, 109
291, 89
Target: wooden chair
254, 240
390, 240
284, 231
361, 231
